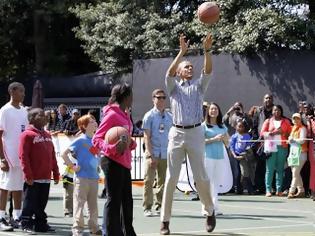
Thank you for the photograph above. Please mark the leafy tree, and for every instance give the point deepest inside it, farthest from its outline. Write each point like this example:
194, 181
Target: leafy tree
36, 38
114, 32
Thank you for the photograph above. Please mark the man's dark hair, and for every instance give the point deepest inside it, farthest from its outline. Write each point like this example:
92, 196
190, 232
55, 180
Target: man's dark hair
14, 85
32, 113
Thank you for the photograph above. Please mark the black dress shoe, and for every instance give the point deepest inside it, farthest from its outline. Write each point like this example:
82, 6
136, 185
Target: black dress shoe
210, 223
196, 198
165, 228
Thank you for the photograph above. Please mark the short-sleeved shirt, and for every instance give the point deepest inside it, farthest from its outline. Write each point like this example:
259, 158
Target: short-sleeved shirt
82, 148
13, 122
186, 99
159, 124
214, 150
238, 142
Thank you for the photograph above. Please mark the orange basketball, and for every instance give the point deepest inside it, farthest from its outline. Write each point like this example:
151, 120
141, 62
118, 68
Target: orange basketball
116, 133
208, 13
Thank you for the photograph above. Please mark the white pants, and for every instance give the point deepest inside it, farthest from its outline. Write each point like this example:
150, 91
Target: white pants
215, 168
184, 142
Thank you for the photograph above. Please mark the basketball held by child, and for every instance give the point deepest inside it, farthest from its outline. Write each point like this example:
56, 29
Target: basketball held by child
114, 134
208, 13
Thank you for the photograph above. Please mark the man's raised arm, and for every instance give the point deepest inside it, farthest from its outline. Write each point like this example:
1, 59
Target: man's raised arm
207, 44
171, 72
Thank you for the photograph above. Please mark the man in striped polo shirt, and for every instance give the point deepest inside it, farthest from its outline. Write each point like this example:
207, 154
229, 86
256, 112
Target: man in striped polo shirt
186, 137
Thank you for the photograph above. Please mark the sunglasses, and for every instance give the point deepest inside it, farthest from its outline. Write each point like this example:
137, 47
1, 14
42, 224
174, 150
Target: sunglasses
160, 97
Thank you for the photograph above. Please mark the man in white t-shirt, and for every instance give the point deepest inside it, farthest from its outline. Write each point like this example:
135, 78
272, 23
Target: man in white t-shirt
13, 121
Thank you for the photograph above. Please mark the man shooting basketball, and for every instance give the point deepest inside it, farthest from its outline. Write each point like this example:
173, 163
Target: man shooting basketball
186, 137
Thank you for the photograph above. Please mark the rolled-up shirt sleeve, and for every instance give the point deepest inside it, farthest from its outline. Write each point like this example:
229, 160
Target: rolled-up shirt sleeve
204, 81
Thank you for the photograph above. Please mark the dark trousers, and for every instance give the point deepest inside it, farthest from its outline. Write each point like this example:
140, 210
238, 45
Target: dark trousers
34, 204
260, 174
119, 204
236, 172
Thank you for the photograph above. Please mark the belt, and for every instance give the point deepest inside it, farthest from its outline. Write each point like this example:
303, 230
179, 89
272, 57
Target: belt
187, 126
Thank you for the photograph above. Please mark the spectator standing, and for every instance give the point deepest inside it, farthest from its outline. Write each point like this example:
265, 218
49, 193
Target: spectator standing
71, 127
156, 124
51, 126
216, 139
240, 147
311, 156
38, 161
276, 128
260, 114
62, 118
86, 176
230, 119
13, 121
297, 140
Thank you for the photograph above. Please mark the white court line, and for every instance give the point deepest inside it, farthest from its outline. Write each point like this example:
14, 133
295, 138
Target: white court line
259, 208
198, 213
233, 229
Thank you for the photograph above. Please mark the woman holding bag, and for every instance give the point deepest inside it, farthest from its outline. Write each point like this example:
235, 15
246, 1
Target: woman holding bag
298, 155
277, 128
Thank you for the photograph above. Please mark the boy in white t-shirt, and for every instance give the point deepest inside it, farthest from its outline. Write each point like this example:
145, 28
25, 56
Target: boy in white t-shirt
13, 121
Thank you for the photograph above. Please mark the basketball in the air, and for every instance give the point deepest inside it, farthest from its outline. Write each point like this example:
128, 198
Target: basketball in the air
116, 133
208, 13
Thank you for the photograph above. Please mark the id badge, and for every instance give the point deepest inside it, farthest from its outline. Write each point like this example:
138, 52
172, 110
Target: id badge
161, 128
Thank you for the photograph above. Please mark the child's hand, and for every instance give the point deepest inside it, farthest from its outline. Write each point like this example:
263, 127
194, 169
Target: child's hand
121, 146
56, 181
29, 181
76, 168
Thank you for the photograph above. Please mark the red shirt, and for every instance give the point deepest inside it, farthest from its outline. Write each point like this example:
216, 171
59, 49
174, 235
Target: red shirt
37, 155
286, 128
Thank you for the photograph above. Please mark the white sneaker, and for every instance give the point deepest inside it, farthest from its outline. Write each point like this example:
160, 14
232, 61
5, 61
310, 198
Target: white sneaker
4, 226
147, 213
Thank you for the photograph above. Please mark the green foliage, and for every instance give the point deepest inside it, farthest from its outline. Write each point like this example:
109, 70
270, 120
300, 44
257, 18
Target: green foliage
113, 36
116, 31
36, 38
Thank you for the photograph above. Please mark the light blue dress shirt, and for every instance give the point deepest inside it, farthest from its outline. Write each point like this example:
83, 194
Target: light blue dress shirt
159, 124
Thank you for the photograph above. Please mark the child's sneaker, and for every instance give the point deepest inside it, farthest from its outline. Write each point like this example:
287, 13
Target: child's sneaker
29, 231
16, 224
4, 226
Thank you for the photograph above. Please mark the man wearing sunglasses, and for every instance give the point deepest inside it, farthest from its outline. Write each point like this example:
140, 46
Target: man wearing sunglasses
186, 137
156, 124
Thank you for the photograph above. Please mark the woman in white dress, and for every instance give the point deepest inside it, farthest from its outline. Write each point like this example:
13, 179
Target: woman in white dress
216, 159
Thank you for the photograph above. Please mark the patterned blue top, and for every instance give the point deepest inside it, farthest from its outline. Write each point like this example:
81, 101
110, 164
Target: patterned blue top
236, 145
186, 99
159, 125
214, 150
